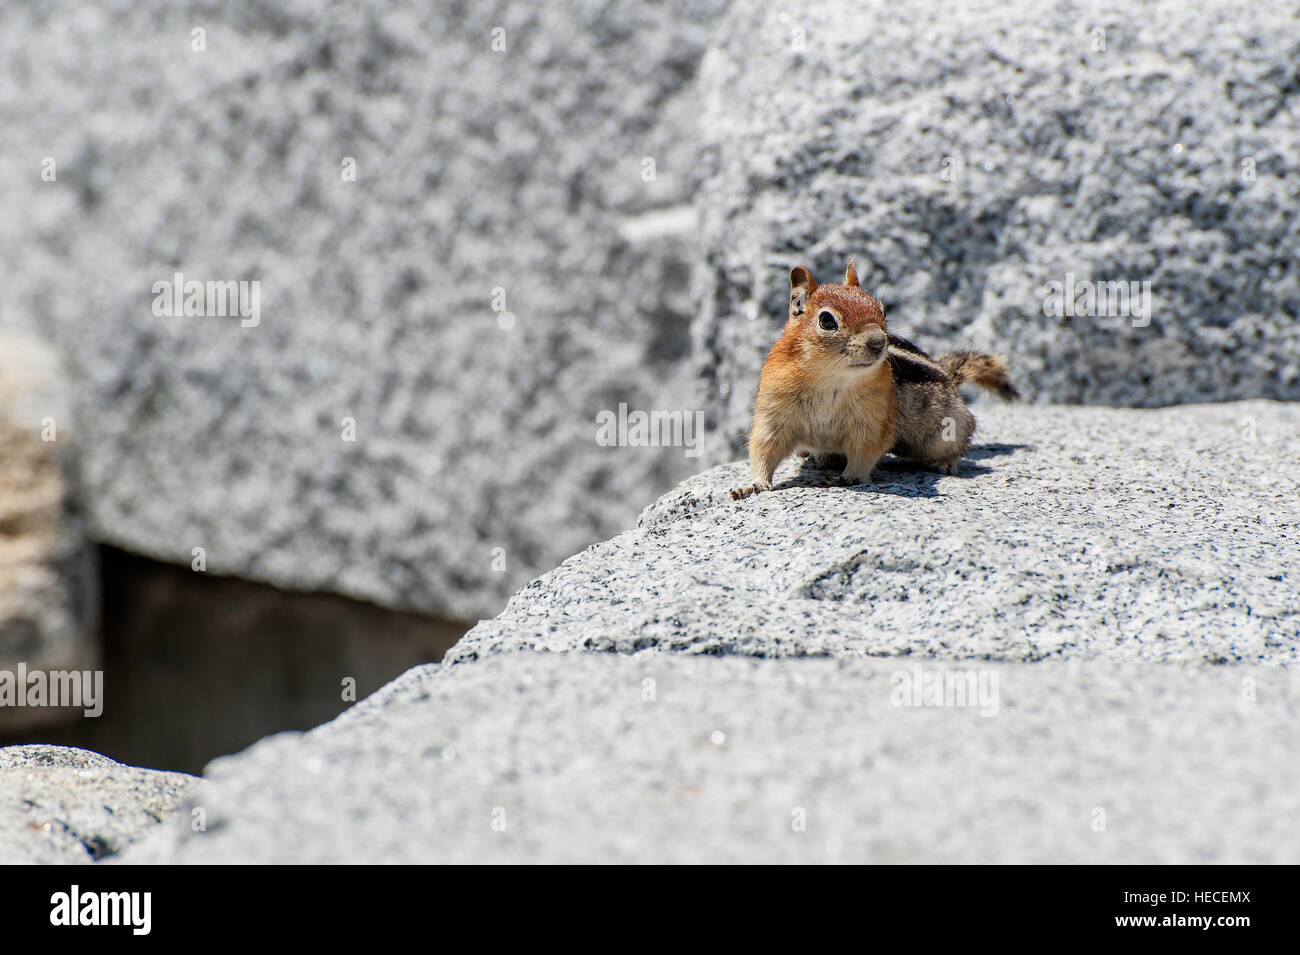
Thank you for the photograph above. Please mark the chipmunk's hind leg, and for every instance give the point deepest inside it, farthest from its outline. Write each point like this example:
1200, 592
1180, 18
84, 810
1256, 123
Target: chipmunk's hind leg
935, 426
950, 440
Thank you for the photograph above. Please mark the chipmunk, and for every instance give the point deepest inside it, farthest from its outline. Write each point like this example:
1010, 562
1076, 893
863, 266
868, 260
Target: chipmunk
837, 383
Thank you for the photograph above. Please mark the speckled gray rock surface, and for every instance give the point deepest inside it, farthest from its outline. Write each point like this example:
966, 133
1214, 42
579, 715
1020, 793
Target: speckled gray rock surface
665, 758
512, 178
63, 805
1140, 545
967, 154
1121, 534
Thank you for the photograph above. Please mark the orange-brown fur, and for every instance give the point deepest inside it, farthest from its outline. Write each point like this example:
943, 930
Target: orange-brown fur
854, 391
824, 391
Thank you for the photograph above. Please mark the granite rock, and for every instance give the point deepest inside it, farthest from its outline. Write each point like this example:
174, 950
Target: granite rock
531, 758
1016, 663
63, 805
511, 259
1121, 534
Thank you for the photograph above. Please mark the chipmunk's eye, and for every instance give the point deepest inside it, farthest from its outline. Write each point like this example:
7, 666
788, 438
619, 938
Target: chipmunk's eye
827, 321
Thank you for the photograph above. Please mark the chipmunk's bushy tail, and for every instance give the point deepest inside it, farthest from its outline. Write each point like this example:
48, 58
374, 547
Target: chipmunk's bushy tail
987, 371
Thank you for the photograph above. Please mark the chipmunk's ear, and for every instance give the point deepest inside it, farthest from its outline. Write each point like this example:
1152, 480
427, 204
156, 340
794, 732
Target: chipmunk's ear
802, 285
851, 275
802, 278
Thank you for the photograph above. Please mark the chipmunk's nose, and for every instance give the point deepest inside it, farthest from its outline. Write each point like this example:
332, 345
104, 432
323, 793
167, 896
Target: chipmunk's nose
866, 348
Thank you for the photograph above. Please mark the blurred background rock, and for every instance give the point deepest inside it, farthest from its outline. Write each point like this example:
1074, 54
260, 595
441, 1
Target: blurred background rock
476, 170
49, 582
556, 209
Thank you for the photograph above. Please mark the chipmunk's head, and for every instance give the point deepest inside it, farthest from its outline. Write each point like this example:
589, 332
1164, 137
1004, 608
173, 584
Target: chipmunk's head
842, 326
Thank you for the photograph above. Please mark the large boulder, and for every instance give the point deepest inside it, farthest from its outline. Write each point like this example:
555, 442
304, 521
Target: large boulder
1082, 533
1022, 669
532, 758
62, 805
49, 587
514, 156
970, 158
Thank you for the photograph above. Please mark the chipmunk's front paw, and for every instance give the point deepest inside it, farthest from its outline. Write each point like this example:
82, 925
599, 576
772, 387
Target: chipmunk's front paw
857, 478
740, 493
947, 467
